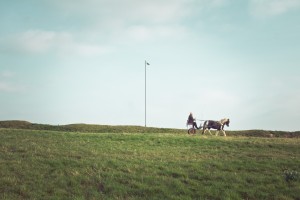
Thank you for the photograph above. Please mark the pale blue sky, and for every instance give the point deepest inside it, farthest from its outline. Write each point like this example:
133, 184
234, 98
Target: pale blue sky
66, 61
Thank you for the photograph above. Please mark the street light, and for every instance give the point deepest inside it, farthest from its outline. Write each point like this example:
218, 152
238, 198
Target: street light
146, 63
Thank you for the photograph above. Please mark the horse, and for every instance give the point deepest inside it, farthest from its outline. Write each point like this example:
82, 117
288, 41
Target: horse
219, 125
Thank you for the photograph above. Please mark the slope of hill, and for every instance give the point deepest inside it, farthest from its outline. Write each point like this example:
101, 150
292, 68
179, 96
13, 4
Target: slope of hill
86, 128
16, 124
39, 164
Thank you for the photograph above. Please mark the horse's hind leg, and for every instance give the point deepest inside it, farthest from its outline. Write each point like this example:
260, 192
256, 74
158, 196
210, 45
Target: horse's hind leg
209, 132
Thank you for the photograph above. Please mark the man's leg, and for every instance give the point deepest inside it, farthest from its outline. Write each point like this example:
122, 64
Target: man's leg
195, 125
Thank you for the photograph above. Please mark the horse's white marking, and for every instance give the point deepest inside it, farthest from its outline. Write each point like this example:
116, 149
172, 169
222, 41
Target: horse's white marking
222, 121
224, 133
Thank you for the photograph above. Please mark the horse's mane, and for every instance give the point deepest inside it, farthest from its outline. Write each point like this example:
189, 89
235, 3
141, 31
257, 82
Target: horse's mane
222, 121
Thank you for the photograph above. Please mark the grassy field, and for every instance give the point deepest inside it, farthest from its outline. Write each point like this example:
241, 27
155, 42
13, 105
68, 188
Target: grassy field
94, 128
43, 164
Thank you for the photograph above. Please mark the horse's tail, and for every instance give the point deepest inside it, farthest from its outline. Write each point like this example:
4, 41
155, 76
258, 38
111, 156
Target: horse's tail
205, 123
204, 126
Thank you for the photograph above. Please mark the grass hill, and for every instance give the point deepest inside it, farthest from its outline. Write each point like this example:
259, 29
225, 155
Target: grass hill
84, 161
92, 128
41, 164
86, 128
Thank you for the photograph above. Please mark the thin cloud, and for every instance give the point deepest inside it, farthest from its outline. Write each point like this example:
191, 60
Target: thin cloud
6, 86
7, 82
6, 74
146, 33
126, 10
40, 41
116, 16
113, 20
269, 8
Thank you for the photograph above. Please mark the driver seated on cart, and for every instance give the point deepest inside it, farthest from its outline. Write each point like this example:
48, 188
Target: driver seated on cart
191, 121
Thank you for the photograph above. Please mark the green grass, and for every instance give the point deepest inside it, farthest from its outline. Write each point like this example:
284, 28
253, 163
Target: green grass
87, 128
38, 164
94, 128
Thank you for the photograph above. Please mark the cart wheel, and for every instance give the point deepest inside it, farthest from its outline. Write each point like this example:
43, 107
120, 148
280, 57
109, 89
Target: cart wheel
191, 131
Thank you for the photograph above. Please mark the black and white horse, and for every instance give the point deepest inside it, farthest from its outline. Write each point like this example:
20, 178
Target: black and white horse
219, 125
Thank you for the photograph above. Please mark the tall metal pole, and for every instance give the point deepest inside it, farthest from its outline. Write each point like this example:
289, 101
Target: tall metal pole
145, 93
146, 63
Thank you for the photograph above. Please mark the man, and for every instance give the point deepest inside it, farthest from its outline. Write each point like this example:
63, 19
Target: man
191, 120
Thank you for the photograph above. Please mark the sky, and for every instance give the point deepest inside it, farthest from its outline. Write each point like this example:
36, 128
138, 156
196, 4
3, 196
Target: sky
83, 61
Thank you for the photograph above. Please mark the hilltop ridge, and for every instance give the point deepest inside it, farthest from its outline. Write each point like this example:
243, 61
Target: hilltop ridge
81, 127
95, 128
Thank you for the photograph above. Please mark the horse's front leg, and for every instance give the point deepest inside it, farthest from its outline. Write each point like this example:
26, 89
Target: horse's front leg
224, 133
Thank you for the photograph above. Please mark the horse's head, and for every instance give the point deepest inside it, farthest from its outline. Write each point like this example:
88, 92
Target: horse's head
227, 122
